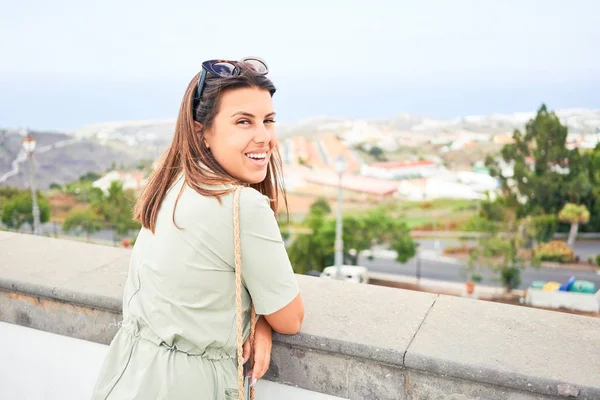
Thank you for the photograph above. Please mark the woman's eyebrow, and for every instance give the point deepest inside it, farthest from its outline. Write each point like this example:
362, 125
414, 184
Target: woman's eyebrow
249, 115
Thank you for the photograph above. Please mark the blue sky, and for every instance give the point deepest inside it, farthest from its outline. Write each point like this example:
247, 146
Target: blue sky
67, 63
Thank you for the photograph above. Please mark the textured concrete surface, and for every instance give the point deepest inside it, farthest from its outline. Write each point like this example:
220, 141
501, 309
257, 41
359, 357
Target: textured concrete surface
357, 342
516, 347
63, 318
5, 235
77, 272
424, 386
365, 321
335, 374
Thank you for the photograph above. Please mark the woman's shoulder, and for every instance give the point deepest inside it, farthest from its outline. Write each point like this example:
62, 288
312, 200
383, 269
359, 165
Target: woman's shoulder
252, 197
251, 200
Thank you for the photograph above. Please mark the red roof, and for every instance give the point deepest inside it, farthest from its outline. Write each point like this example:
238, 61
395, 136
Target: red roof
402, 164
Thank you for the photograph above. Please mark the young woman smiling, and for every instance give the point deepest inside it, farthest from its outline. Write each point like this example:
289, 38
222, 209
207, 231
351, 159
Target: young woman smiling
209, 270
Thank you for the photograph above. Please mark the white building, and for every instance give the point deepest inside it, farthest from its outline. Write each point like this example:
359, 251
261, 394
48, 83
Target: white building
436, 188
130, 180
361, 132
477, 181
396, 170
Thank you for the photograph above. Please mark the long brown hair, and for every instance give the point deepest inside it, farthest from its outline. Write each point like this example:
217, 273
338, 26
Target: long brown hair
186, 152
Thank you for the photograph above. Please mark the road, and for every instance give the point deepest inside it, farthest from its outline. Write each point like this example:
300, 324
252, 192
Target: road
583, 248
451, 271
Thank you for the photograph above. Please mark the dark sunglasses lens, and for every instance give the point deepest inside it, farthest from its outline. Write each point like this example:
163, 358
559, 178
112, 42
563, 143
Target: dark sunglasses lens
256, 65
223, 68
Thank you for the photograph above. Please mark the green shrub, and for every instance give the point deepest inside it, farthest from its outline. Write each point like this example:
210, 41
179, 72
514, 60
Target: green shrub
479, 224
425, 205
492, 210
463, 248
494, 246
511, 277
556, 250
598, 260
545, 226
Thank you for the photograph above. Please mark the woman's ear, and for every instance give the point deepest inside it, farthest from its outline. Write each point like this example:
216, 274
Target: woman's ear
198, 127
198, 130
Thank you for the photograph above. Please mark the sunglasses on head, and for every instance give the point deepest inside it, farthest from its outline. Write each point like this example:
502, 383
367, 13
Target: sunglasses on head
225, 68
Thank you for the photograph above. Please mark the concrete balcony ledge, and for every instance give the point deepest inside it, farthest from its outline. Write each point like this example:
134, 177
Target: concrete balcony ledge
357, 342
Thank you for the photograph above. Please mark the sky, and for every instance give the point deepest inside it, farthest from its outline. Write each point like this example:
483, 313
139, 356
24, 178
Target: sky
68, 63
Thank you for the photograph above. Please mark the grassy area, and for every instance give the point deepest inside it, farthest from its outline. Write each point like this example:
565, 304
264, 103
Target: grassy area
438, 204
439, 214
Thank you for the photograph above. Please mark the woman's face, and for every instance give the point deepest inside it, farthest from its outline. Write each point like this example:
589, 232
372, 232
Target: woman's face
242, 136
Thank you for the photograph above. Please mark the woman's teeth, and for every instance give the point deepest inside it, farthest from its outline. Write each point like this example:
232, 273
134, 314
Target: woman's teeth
258, 156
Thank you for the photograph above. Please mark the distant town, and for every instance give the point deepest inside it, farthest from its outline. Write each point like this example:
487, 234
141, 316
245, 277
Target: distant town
477, 199
404, 158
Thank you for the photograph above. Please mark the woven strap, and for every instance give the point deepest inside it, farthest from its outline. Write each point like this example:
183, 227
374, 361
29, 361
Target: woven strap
238, 298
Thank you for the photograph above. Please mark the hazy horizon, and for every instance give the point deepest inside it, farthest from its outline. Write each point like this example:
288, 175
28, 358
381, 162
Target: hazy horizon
72, 64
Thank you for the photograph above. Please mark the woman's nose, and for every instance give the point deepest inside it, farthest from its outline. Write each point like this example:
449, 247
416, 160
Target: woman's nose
262, 134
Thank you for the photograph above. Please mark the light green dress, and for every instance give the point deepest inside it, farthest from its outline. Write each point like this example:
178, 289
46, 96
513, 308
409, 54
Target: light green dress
178, 338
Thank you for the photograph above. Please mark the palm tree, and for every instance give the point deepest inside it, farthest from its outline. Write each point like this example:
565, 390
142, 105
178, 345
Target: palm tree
574, 214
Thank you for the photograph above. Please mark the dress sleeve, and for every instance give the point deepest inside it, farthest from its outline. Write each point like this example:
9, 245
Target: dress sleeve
266, 269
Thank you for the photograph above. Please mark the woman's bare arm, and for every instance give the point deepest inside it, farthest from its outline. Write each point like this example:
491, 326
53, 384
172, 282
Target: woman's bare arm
289, 319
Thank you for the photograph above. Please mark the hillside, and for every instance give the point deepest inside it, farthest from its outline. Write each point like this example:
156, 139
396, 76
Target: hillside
60, 158
404, 136
160, 132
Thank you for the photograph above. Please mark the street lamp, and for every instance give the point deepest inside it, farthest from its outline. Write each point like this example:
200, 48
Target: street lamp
418, 271
340, 166
29, 147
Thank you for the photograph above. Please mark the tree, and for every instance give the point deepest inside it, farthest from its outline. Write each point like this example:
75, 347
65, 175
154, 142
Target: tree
505, 255
89, 177
546, 174
401, 242
7, 193
591, 161
86, 220
322, 204
18, 210
574, 214
360, 232
544, 227
115, 208
376, 152
305, 251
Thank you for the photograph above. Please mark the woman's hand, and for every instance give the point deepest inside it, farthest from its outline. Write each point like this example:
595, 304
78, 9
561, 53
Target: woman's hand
263, 341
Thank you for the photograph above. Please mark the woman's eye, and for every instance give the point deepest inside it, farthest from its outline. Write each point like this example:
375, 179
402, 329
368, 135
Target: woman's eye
243, 122
270, 121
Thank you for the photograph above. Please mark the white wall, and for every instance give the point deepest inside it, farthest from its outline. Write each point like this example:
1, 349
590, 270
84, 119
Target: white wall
37, 365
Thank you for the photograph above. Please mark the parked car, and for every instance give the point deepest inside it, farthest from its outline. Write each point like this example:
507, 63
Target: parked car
351, 273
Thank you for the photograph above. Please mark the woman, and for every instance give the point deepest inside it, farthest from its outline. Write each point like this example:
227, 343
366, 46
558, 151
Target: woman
178, 338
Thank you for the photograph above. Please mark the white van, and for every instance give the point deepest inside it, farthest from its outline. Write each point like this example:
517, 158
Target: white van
351, 273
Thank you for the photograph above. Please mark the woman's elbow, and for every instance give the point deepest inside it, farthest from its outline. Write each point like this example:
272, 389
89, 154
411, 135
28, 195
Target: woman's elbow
289, 320
292, 327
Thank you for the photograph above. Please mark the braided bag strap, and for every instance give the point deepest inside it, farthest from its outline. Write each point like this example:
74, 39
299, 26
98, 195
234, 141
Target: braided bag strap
238, 297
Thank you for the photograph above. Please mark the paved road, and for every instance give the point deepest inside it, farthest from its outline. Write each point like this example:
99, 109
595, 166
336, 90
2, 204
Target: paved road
436, 269
582, 248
